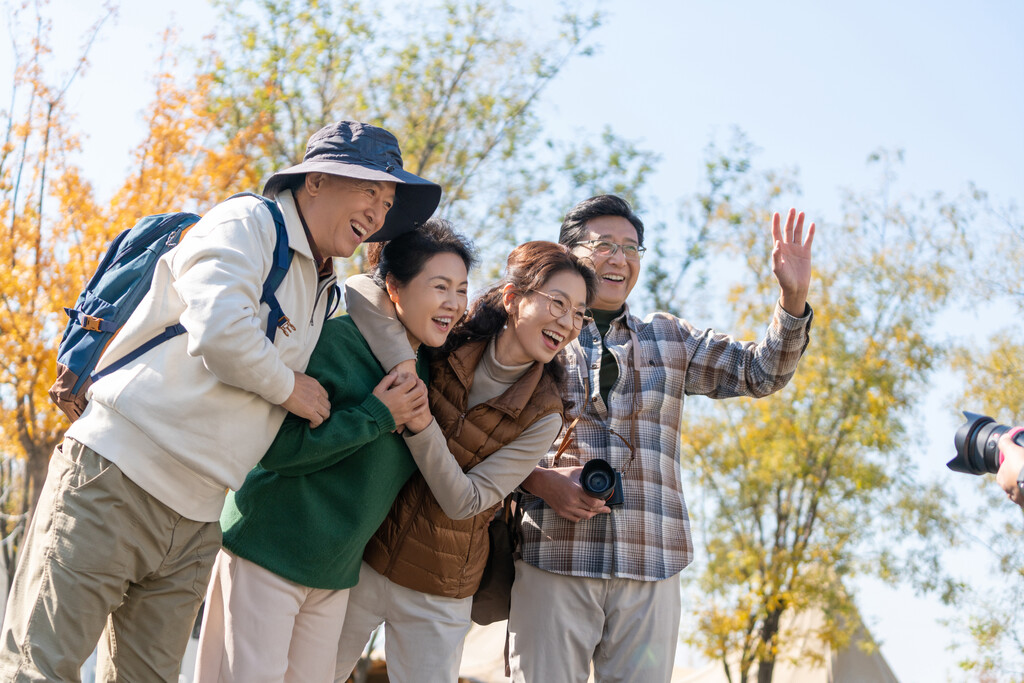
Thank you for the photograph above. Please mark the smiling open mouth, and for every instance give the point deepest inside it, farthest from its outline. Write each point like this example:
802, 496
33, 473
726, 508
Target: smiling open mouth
444, 322
554, 337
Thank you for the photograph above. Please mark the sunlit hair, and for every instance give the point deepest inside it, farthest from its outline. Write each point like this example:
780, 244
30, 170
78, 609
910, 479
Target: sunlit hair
529, 267
404, 257
574, 225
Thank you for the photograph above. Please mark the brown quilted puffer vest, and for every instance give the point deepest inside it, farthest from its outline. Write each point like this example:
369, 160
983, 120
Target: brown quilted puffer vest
418, 546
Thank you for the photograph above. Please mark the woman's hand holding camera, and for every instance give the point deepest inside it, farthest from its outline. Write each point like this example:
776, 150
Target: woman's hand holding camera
560, 488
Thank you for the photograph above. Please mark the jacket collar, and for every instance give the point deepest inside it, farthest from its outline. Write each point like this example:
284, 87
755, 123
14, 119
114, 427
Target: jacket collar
625, 318
464, 360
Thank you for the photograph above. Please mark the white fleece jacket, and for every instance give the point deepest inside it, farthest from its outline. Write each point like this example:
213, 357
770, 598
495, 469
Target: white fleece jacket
187, 420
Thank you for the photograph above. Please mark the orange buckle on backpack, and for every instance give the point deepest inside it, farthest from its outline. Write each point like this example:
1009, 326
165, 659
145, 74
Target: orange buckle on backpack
92, 324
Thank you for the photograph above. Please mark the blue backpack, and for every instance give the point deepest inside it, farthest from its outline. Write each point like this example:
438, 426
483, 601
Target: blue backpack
122, 278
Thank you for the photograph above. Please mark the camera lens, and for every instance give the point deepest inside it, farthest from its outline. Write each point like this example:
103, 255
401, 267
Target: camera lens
977, 445
598, 479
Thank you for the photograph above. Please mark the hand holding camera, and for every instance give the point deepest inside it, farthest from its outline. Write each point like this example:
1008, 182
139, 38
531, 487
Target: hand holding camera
982, 445
600, 480
560, 488
1009, 474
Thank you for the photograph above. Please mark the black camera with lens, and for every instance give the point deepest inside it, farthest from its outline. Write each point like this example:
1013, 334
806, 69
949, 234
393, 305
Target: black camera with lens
977, 445
601, 480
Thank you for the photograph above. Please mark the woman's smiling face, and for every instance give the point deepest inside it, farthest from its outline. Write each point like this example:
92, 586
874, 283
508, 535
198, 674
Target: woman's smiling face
534, 333
434, 300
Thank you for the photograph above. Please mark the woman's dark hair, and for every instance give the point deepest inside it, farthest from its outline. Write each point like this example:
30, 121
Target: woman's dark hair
574, 225
529, 267
404, 257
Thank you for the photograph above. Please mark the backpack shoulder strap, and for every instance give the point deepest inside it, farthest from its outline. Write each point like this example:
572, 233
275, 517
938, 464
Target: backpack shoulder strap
279, 267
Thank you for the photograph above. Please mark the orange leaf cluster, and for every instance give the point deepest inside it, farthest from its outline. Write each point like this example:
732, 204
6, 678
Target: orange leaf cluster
54, 230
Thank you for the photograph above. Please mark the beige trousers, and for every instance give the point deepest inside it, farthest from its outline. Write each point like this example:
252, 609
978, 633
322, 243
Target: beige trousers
103, 557
559, 624
260, 628
423, 636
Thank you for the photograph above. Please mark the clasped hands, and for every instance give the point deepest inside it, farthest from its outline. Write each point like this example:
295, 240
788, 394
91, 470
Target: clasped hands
405, 395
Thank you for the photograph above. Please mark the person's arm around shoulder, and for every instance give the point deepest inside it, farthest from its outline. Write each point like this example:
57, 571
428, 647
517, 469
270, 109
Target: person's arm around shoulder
374, 315
1009, 473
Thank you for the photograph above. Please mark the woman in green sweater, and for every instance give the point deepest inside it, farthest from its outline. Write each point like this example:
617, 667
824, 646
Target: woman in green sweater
294, 532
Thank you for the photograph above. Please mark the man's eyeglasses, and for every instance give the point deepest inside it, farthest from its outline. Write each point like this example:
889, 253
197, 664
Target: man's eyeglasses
559, 307
633, 252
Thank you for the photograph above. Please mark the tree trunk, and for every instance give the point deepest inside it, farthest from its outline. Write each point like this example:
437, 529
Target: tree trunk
769, 632
765, 670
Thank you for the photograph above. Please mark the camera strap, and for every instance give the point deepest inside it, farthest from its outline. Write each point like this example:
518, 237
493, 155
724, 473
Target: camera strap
633, 417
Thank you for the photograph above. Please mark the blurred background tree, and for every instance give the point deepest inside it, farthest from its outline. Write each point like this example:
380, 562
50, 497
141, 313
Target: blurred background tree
990, 373
803, 491
455, 83
797, 495
41, 257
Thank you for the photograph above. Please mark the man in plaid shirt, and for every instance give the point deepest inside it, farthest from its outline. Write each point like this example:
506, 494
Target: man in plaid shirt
598, 584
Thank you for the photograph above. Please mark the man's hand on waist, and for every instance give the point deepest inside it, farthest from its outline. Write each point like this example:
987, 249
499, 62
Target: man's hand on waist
308, 400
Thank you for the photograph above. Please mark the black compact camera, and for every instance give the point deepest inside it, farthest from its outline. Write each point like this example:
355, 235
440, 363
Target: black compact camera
977, 445
601, 480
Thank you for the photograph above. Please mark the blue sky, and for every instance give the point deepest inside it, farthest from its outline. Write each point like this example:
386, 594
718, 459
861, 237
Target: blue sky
816, 85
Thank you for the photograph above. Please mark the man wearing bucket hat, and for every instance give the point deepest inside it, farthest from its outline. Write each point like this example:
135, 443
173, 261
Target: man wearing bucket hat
126, 529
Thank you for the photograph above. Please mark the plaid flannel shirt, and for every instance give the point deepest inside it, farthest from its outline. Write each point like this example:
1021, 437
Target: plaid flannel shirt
648, 538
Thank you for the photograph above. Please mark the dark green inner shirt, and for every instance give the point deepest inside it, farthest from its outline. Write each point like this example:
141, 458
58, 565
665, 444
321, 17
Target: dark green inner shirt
609, 368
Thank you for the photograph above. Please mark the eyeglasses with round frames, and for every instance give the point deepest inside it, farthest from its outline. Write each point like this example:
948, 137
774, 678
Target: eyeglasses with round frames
558, 308
633, 252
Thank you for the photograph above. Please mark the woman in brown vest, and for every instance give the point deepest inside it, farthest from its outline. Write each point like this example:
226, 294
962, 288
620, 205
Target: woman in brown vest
496, 407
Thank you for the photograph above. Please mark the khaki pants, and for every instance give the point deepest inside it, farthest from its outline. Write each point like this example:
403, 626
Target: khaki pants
559, 624
103, 558
423, 637
261, 628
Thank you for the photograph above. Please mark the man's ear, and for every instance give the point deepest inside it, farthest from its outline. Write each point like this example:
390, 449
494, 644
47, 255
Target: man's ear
315, 182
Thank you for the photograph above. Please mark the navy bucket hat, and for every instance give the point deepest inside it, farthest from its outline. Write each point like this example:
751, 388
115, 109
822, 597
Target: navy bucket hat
359, 150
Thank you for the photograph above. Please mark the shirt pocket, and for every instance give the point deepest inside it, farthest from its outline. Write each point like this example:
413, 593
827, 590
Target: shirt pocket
662, 370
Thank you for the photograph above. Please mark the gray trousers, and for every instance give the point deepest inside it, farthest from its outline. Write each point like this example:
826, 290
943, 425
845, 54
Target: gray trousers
423, 634
559, 625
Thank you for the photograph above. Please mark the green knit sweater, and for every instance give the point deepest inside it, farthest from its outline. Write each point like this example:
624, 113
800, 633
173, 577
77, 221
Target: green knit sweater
318, 495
